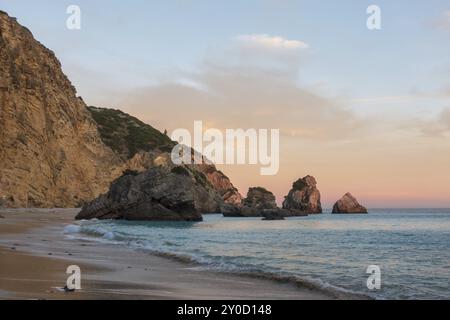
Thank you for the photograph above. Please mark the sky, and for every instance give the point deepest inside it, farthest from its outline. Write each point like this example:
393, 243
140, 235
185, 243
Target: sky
364, 111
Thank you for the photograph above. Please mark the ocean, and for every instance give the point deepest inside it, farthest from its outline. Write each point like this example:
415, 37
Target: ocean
331, 252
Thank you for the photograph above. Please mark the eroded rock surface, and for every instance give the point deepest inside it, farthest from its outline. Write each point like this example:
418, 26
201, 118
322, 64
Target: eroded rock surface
258, 199
160, 193
57, 152
51, 153
304, 197
348, 204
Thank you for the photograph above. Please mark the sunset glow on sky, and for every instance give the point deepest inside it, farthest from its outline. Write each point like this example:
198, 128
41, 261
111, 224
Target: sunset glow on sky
366, 112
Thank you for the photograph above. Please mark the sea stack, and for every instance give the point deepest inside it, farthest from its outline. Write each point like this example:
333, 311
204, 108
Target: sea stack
304, 198
258, 199
348, 204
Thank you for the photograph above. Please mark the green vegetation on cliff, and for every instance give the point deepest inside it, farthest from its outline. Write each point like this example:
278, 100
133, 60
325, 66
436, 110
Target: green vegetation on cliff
127, 135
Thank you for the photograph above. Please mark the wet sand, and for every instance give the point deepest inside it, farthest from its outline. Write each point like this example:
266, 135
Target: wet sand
34, 256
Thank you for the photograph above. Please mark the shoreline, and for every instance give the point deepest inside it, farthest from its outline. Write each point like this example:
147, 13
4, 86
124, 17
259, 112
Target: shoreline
34, 237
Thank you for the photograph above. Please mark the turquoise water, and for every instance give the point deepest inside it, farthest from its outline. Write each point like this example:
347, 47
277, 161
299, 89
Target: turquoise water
411, 247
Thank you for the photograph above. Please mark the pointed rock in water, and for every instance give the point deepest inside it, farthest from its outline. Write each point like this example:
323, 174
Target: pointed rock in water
304, 198
160, 193
348, 204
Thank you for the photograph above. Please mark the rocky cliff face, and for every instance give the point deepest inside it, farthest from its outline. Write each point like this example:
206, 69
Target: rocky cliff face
57, 152
51, 154
160, 193
221, 183
348, 204
304, 197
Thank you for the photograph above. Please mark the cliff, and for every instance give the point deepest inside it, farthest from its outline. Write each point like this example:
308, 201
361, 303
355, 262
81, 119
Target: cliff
57, 152
51, 153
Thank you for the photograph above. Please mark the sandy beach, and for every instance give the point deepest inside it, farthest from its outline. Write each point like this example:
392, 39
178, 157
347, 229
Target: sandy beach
34, 256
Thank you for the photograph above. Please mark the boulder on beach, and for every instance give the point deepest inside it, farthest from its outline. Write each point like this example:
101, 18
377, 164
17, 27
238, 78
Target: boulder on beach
348, 204
304, 197
160, 193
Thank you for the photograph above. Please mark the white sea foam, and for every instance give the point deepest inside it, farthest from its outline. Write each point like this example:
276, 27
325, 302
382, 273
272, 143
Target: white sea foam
314, 251
109, 235
71, 228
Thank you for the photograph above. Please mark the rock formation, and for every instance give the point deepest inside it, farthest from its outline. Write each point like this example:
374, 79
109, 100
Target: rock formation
160, 193
142, 147
221, 183
348, 204
57, 152
304, 198
258, 199
274, 214
51, 154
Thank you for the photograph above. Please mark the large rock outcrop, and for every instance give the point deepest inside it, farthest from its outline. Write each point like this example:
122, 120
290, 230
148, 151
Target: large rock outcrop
304, 197
348, 204
160, 193
57, 152
51, 154
258, 199
142, 147
221, 183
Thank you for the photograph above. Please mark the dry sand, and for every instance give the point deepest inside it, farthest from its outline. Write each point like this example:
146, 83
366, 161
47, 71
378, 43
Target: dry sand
34, 256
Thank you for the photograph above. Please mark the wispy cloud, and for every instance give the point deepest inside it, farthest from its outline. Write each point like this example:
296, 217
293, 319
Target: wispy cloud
385, 99
440, 126
246, 97
443, 21
270, 42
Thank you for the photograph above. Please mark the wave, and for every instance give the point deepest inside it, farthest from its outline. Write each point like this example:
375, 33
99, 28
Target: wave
210, 263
